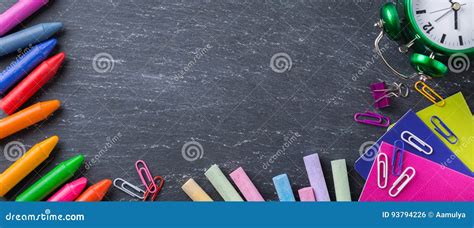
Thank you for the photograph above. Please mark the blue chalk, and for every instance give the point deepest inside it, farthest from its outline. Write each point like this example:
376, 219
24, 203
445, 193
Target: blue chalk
283, 188
26, 63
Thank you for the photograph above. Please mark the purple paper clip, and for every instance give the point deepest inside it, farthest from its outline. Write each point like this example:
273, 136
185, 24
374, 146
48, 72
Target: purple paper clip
397, 166
382, 93
372, 118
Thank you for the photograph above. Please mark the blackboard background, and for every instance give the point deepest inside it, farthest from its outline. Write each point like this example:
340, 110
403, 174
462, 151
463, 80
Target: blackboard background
229, 100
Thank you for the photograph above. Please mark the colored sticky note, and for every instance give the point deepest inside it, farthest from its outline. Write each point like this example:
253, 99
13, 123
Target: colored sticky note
431, 182
194, 191
222, 184
245, 185
457, 116
316, 177
411, 122
283, 188
306, 194
341, 181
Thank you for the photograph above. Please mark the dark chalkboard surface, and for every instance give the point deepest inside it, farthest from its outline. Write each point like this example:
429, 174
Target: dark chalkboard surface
184, 72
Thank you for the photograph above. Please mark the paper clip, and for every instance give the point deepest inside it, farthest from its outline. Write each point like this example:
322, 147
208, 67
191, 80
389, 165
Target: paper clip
123, 186
416, 142
406, 179
158, 189
382, 94
430, 94
147, 179
440, 131
397, 166
372, 118
382, 170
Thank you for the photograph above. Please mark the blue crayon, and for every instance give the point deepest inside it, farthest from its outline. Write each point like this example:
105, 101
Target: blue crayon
283, 188
26, 63
29, 36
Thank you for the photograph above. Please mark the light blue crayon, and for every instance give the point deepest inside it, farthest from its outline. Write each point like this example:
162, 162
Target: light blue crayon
283, 188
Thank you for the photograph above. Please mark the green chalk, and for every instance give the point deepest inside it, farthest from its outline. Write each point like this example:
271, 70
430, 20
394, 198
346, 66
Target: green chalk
341, 181
222, 184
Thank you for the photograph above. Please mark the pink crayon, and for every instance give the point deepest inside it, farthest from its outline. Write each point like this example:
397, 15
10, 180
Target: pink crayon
245, 185
306, 194
19, 12
70, 191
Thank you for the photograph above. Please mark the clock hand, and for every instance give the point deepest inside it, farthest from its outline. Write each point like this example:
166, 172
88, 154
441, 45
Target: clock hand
444, 15
455, 19
436, 11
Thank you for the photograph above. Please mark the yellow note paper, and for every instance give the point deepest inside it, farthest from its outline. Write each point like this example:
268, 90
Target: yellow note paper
458, 117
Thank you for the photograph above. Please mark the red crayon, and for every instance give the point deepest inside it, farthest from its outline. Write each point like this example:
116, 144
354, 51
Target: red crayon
31, 84
95, 192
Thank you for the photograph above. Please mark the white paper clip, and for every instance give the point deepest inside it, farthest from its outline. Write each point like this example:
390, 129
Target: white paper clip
123, 186
406, 179
382, 170
416, 142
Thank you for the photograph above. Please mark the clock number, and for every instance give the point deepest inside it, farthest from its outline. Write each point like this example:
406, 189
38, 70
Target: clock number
428, 27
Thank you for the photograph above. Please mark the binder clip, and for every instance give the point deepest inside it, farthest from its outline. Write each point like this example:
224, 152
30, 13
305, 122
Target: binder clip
372, 118
429, 94
406, 178
440, 126
382, 93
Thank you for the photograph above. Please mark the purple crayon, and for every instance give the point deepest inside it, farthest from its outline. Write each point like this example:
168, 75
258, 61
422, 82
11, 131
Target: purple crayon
19, 12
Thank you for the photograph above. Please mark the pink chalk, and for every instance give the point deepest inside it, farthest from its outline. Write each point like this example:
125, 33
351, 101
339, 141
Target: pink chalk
245, 185
19, 12
306, 194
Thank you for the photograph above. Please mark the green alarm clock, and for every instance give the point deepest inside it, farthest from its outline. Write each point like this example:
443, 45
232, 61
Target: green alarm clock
433, 29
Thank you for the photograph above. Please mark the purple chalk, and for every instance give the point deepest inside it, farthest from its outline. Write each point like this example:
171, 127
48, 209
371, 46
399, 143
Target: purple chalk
316, 177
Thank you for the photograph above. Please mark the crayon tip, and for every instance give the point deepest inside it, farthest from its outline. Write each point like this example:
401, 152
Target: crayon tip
53, 27
49, 107
79, 183
48, 45
49, 143
56, 61
75, 162
103, 185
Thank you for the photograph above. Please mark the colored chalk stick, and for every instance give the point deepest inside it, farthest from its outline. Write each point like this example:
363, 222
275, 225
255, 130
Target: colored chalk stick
195, 192
316, 177
245, 185
306, 194
222, 184
26, 164
283, 188
341, 181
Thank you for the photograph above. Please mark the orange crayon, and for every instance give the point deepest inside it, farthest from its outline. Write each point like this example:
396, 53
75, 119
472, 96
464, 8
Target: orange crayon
95, 192
27, 117
26, 164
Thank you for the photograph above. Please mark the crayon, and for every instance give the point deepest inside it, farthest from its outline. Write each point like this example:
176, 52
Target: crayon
245, 185
341, 180
27, 37
52, 180
316, 177
194, 191
27, 117
306, 194
70, 191
26, 63
222, 184
95, 192
283, 188
19, 12
31, 84
26, 164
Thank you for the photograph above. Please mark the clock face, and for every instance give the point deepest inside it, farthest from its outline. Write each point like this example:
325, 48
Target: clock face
447, 23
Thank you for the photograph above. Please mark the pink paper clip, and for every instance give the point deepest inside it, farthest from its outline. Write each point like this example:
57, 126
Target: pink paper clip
147, 179
372, 118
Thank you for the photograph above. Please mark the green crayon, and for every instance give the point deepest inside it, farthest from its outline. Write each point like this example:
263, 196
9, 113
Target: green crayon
54, 179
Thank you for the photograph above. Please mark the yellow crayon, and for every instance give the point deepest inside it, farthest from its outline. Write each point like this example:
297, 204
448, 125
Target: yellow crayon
26, 164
